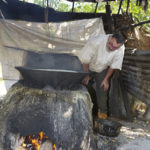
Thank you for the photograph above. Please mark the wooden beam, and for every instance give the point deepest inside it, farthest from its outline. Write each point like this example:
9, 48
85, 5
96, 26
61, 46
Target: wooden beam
109, 18
46, 12
47, 3
128, 3
133, 26
96, 7
73, 6
120, 6
43, 3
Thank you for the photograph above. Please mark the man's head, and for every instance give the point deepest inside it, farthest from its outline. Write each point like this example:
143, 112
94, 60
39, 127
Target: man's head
115, 41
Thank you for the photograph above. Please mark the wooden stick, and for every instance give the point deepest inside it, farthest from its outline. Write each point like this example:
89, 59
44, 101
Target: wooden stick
73, 6
120, 6
96, 7
133, 26
128, 3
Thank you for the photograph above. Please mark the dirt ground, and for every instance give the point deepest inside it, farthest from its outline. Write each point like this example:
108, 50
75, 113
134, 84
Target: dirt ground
133, 136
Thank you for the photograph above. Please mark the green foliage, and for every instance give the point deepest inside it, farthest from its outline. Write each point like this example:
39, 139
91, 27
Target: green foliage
84, 7
138, 13
39, 2
43, 3
64, 7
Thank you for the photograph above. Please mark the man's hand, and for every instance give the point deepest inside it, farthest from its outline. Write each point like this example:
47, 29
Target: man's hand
85, 81
105, 84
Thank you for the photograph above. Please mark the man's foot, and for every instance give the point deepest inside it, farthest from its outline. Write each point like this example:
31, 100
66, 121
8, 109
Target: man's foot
101, 115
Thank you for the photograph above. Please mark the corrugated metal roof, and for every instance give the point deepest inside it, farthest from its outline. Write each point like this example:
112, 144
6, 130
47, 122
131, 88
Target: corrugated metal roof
136, 74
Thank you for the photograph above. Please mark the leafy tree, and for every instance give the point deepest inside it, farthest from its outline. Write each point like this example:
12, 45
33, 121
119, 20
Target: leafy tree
43, 3
64, 6
39, 2
138, 13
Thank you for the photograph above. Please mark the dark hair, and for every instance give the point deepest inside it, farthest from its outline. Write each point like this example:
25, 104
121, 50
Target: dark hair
119, 38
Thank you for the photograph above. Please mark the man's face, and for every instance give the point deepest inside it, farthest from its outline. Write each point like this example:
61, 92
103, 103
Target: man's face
112, 44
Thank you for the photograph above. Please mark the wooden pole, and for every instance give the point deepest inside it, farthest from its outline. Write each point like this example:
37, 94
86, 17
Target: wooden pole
43, 3
46, 12
73, 6
96, 7
128, 3
109, 17
133, 26
120, 6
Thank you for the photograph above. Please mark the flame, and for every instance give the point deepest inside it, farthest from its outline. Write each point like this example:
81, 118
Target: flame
41, 135
23, 144
35, 144
54, 146
37, 141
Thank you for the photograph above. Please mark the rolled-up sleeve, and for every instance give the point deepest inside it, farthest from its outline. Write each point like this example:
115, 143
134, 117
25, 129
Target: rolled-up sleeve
86, 53
118, 60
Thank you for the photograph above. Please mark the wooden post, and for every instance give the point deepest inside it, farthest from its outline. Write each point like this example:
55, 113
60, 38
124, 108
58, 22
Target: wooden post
43, 3
128, 3
96, 7
46, 12
120, 6
109, 18
73, 5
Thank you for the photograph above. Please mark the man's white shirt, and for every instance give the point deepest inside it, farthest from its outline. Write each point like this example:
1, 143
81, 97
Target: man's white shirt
99, 57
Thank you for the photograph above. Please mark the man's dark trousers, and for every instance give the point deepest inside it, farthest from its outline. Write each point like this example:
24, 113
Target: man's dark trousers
101, 95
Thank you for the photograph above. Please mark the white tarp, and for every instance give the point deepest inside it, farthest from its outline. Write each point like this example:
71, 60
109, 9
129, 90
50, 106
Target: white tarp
62, 37
17, 37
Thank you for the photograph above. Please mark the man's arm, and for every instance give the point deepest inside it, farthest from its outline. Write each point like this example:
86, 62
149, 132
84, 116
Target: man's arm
86, 67
87, 78
105, 82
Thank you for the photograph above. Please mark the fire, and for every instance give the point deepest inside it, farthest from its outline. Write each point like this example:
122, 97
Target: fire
54, 146
35, 141
41, 135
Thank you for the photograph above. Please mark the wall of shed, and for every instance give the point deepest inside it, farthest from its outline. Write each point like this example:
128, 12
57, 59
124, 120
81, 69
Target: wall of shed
136, 75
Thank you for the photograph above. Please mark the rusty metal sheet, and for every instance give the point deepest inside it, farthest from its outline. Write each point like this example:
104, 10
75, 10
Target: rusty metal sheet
136, 74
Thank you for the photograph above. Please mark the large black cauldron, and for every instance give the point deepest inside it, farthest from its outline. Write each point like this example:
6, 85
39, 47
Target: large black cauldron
61, 71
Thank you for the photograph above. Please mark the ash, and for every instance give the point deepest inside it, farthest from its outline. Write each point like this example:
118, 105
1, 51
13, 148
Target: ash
133, 136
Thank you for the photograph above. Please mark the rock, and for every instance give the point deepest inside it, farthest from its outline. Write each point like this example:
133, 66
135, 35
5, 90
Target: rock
107, 127
46, 145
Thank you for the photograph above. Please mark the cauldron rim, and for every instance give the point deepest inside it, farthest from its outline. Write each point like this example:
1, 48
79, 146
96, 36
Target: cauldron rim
49, 69
58, 79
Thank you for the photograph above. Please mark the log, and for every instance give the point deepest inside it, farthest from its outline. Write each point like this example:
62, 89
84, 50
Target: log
133, 26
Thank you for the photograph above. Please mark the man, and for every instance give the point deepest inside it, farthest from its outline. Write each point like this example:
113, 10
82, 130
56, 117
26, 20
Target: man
101, 56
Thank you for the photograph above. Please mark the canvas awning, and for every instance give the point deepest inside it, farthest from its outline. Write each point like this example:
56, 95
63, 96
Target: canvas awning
19, 37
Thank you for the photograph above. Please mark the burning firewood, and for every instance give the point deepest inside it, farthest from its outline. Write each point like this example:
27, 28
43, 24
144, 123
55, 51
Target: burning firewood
37, 142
